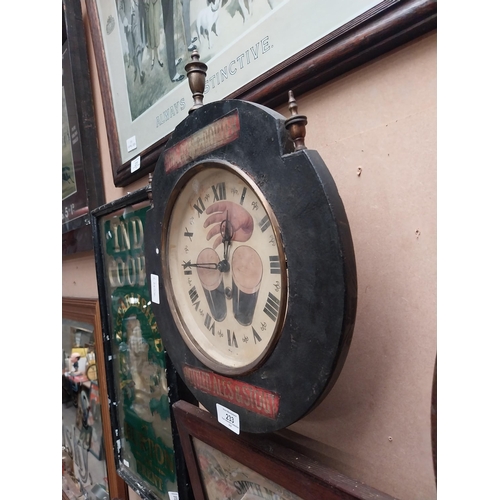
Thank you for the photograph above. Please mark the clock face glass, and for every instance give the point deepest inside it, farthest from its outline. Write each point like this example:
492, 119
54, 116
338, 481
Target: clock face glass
225, 269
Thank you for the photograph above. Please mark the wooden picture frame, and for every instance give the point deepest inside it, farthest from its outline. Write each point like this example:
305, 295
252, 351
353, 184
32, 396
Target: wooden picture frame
142, 381
256, 465
82, 184
87, 311
137, 133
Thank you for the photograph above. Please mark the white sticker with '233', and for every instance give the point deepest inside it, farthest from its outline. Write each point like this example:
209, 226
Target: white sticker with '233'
228, 418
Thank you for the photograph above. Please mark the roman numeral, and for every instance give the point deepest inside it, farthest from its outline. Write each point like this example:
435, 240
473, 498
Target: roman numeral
264, 223
274, 263
231, 340
272, 307
201, 208
243, 194
188, 234
193, 295
210, 328
187, 268
219, 191
256, 336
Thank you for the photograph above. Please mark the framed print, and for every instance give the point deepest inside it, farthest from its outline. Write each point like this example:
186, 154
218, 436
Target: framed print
88, 460
255, 50
96, 440
82, 187
224, 465
142, 381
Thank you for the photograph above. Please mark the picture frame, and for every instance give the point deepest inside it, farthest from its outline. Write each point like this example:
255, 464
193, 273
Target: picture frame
83, 395
142, 382
259, 60
82, 184
86, 311
96, 439
223, 464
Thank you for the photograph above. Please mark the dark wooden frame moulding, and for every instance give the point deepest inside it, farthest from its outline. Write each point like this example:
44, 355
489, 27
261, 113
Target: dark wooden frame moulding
266, 456
176, 388
87, 311
77, 234
377, 31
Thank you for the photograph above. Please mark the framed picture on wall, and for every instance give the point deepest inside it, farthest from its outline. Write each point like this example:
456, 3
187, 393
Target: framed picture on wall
254, 50
87, 468
225, 465
82, 186
143, 383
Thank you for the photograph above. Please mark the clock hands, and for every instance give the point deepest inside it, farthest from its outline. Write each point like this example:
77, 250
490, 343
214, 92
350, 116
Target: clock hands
226, 235
226, 231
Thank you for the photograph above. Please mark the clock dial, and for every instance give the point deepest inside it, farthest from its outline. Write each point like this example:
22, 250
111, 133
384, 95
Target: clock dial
225, 268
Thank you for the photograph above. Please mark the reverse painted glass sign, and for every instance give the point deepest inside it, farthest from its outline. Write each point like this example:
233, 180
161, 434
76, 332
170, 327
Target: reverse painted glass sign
144, 428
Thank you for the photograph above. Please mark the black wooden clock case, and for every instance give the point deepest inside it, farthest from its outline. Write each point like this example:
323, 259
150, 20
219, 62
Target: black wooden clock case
322, 285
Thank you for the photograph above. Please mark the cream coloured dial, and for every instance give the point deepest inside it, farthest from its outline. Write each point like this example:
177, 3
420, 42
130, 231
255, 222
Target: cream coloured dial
226, 278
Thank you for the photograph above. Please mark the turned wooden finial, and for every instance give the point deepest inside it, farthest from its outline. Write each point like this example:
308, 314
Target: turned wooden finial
196, 72
296, 124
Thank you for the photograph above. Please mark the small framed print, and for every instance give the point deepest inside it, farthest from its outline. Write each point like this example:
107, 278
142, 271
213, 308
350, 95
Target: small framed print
224, 465
143, 383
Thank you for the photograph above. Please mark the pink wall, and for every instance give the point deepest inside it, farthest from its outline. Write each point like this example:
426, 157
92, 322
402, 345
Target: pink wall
375, 424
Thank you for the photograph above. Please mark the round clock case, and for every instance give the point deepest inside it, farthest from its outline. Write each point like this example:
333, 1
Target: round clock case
303, 259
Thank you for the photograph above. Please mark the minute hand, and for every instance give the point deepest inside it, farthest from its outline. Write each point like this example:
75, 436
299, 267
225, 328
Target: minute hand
205, 265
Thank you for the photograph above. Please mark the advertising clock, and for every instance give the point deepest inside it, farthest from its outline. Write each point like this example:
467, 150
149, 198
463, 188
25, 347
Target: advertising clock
251, 265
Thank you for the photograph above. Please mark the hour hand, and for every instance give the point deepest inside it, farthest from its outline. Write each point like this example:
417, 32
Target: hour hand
226, 231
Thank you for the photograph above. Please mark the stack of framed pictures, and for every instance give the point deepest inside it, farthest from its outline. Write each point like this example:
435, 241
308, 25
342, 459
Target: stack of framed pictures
142, 382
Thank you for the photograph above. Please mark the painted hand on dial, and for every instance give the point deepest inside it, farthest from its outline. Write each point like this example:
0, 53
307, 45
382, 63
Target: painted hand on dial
233, 223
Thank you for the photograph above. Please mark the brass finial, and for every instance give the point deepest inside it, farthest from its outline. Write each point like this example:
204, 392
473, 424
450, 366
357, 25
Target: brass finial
196, 72
149, 189
296, 124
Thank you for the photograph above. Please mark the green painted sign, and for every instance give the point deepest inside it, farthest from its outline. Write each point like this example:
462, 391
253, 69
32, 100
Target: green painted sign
139, 366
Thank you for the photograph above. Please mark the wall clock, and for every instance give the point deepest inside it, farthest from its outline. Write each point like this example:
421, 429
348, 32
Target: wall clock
251, 264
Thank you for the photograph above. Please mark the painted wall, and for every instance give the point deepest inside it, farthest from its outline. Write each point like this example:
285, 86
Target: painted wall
375, 127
